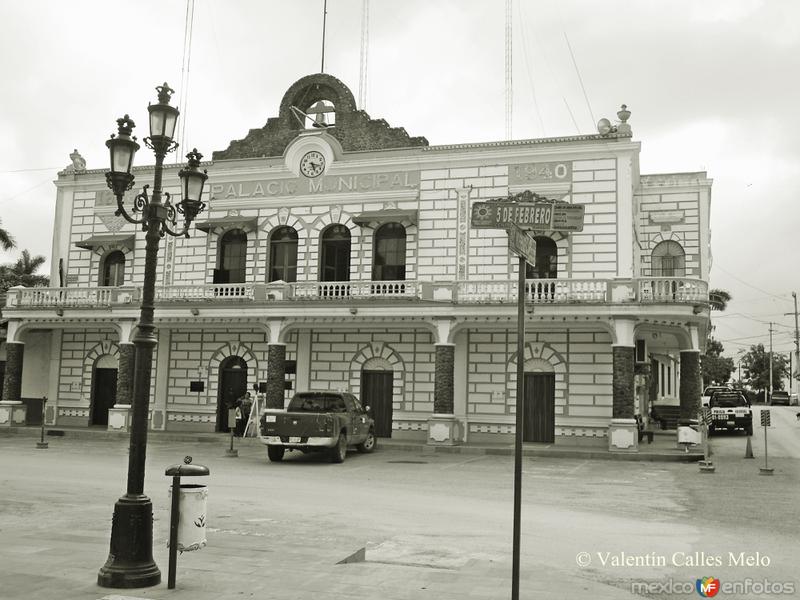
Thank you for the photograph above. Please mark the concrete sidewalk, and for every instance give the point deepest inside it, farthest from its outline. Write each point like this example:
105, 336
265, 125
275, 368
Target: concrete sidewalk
662, 449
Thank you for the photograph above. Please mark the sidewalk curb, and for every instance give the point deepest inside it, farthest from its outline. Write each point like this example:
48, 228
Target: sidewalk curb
529, 450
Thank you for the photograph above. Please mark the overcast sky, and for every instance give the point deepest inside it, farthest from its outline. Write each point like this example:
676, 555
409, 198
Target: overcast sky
712, 86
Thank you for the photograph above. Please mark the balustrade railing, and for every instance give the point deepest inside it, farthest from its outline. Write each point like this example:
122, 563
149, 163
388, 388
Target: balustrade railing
216, 291
334, 290
537, 291
672, 289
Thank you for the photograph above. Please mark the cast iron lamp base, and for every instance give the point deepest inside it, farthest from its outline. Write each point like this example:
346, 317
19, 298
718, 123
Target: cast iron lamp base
130, 561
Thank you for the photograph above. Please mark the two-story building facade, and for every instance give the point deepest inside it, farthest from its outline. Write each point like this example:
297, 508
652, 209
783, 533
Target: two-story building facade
343, 257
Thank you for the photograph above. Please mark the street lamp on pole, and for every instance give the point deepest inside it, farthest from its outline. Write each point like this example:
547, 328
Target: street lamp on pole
130, 561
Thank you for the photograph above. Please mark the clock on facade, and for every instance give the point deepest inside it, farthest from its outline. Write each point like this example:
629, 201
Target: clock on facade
312, 164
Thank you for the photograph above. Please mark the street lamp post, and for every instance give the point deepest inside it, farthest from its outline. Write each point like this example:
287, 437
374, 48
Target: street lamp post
130, 561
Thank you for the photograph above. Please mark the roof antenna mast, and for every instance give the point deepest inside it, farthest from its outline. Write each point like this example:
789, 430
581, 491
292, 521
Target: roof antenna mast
509, 86
362, 80
324, 20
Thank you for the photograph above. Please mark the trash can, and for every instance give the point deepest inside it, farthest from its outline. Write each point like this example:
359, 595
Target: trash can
187, 520
192, 516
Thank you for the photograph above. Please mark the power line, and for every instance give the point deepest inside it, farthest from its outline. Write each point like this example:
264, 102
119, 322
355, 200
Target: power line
749, 284
31, 170
30, 189
580, 79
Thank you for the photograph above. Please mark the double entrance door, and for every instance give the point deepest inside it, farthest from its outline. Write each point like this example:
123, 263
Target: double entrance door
539, 418
104, 394
376, 392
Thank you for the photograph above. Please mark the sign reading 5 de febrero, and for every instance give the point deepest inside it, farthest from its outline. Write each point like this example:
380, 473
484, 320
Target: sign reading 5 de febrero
548, 216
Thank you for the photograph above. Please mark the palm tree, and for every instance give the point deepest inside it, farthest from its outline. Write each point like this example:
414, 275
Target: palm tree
6, 241
23, 272
718, 299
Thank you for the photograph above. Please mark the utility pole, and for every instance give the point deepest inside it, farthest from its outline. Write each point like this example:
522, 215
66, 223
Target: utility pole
770, 365
796, 343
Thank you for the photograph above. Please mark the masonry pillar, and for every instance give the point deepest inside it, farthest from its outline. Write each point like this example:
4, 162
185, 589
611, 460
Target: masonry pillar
691, 384
623, 432
12, 410
622, 382
443, 427
276, 375
119, 416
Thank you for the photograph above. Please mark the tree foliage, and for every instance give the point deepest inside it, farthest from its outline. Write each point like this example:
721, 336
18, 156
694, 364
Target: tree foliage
23, 272
6, 241
717, 369
755, 365
718, 299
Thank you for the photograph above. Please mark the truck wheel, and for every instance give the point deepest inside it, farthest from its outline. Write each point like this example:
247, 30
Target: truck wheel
275, 453
368, 445
339, 451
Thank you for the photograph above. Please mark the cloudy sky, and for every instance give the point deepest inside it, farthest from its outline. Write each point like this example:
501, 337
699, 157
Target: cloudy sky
712, 86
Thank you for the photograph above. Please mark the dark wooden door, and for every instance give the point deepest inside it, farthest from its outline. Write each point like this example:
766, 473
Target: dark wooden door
104, 394
232, 385
376, 392
540, 408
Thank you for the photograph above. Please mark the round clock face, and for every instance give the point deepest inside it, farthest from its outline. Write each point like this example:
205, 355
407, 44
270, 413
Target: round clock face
312, 164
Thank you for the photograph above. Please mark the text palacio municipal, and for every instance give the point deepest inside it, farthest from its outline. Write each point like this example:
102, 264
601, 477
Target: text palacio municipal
327, 184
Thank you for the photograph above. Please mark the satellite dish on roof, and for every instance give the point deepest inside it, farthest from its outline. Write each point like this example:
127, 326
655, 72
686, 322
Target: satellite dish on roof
604, 126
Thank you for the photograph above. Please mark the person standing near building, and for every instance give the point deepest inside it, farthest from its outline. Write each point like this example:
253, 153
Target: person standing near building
245, 408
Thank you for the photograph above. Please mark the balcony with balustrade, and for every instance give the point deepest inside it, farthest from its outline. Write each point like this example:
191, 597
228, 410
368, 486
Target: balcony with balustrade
648, 290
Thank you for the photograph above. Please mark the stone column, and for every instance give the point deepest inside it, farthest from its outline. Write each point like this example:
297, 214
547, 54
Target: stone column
276, 375
12, 410
119, 416
622, 382
443, 382
125, 374
691, 385
623, 431
443, 427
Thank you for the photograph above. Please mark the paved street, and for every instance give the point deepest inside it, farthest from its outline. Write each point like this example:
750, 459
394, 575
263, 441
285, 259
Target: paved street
434, 525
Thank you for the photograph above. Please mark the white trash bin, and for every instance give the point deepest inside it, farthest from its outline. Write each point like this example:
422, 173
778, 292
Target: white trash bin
192, 520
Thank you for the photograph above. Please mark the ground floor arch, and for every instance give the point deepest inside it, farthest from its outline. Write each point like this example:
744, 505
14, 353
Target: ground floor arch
232, 385
104, 389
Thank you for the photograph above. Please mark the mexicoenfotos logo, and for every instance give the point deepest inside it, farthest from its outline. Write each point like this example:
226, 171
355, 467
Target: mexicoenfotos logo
707, 587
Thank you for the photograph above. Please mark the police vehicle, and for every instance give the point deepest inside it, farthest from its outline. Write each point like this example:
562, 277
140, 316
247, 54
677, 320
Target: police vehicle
730, 410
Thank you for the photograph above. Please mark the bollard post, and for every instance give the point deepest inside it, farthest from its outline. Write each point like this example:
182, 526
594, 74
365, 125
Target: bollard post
173, 531
231, 452
41, 444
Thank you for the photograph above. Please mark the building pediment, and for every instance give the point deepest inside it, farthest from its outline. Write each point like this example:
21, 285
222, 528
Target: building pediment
337, 114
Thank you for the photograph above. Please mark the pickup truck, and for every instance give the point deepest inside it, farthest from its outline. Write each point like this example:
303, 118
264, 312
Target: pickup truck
323, 421
709, 391
730, 410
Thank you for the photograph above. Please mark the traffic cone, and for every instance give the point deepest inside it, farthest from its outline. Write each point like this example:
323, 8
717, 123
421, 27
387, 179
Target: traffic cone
748, 452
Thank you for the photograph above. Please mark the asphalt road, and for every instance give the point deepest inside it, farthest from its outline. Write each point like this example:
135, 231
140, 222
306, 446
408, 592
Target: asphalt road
432, 525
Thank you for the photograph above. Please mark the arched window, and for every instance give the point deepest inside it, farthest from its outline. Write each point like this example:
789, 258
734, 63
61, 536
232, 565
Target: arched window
668, 260
335, 254
389, 261
113, 272
232, 257
546, 266
283, 255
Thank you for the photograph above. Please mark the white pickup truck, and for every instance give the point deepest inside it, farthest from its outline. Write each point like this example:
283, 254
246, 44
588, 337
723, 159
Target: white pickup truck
710, 390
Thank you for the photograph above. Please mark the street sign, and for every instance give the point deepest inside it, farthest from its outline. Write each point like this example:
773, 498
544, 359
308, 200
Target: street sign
568, 217
765, 418
521, 244
545, 216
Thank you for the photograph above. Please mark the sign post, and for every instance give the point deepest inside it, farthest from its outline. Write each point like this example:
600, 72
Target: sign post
765, 421
516, 214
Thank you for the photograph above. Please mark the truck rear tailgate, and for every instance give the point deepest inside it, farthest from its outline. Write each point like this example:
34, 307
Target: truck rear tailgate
297, 425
